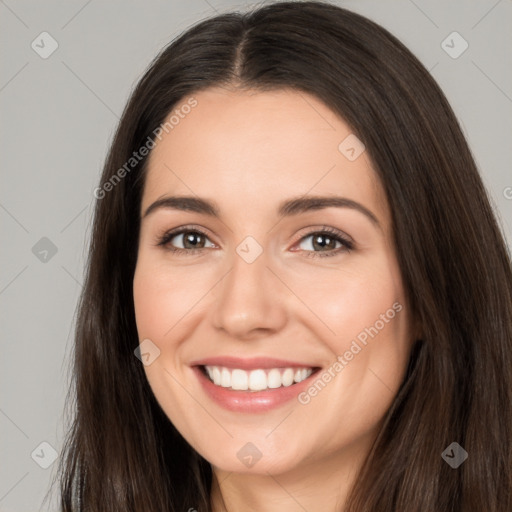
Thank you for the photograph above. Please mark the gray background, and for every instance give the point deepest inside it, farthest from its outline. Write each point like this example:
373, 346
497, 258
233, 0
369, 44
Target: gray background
58, 117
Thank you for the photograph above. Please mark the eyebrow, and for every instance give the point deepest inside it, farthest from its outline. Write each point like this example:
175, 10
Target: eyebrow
294, 206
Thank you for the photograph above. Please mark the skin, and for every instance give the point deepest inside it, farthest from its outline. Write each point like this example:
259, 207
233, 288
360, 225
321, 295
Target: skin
247, 151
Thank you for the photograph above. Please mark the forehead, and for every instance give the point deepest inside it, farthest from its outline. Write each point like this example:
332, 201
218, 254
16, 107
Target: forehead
256, 148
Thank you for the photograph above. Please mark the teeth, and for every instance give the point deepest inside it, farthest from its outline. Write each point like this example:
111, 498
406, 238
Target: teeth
256, 380
239, 380
225, 378
274, 378
287, 377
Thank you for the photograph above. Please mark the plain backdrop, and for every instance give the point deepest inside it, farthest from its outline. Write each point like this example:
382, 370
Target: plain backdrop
59, 114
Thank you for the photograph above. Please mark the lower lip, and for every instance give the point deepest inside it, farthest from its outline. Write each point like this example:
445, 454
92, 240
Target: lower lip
250, 401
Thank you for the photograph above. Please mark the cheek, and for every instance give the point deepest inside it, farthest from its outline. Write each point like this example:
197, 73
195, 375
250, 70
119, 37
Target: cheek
369, 357
366, 315
162, 297
150, 302
350, 300
161, 301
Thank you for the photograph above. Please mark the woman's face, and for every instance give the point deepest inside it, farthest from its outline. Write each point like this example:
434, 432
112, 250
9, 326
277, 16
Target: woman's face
309, 327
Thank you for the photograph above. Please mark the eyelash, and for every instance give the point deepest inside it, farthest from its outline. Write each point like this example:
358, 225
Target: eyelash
348, 245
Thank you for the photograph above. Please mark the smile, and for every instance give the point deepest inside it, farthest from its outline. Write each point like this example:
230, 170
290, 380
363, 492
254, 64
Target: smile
255, 385
256, 380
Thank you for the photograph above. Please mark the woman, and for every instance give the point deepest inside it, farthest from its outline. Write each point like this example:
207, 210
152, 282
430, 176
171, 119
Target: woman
292, 237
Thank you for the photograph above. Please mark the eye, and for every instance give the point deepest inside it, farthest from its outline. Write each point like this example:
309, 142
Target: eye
188, 240
321, 243
326, 242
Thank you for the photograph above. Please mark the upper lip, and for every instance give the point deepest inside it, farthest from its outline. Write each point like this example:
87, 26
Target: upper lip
253, 363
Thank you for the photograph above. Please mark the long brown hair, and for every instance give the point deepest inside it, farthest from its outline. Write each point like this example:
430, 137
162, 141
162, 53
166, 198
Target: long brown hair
123, 454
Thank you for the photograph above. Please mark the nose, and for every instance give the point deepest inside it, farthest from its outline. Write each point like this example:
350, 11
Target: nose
250, 300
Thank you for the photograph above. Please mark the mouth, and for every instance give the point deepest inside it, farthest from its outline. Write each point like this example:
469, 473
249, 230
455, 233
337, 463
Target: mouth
259, 379
252, 385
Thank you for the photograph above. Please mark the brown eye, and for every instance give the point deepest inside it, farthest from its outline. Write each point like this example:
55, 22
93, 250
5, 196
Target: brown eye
187, 240
192, 240
325, 243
